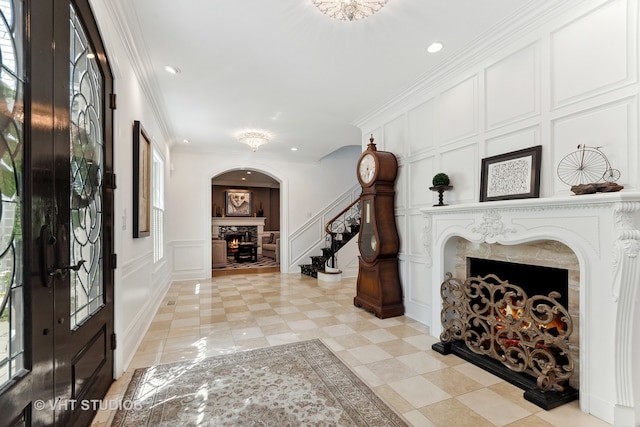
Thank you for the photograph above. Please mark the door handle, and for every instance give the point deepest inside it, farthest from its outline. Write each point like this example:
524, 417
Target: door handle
46, 240
61, 273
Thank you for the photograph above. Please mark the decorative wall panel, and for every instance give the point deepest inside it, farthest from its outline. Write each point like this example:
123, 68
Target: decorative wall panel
512, 87
421, 127
394, 137
590, 55
458, 111
518, 140
401, 186
418, 292
610, 127
462, 166
188, 256
420, 176
416, 227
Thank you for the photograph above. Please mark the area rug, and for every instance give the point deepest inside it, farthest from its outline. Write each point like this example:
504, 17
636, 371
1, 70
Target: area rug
301, 384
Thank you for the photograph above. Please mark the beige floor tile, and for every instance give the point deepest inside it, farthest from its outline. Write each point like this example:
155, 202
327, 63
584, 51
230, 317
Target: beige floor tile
452, 381
393, 398
569, 415
390, 370
530, 421
422, 362
416, 419
493, 407
443, 413
369, 354
337, 330
418, 391
477, 374
377, 336
151, 346
398, 347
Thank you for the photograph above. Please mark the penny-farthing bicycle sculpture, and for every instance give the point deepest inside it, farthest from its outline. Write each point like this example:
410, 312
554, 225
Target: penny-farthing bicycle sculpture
587, 165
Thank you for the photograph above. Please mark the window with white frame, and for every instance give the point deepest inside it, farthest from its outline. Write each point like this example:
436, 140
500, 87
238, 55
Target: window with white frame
157, 185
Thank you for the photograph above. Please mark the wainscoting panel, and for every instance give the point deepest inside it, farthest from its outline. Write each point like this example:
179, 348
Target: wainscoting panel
593, 54
417, 224
421, 172
188, 256
458, 164
611, 127
401, 188
394, 136
421, 134
418, 292
517, 140
458, 111
512, 87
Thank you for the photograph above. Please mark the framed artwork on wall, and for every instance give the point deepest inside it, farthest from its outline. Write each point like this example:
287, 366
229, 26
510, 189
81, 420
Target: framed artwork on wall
141, 181
514, 175
237, 203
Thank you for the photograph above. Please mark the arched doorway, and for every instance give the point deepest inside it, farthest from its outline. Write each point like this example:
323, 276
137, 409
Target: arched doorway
245, 212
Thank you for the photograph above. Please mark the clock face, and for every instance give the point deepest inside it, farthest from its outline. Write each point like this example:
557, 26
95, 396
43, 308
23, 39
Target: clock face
367, 168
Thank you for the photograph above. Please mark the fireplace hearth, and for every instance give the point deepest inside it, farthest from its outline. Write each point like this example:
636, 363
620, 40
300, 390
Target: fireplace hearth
522, 339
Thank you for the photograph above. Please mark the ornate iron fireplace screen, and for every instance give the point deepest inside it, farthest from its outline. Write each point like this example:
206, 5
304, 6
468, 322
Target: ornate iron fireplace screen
497, 319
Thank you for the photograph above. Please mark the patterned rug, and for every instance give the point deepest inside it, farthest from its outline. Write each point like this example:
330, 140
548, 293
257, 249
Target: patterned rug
301, 384
263, 261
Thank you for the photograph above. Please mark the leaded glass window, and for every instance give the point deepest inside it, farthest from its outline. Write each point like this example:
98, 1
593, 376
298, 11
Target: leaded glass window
87, 159
12, 81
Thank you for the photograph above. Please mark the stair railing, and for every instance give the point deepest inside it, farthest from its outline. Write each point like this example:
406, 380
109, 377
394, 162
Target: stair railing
347, 222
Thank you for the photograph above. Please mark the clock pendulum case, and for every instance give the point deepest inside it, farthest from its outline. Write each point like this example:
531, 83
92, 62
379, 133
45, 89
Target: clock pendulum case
378, 285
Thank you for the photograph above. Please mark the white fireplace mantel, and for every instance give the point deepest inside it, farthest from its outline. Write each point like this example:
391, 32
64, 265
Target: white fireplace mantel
240, 221
603, 230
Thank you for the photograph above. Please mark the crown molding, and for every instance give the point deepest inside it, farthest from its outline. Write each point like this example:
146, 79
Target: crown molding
126, 24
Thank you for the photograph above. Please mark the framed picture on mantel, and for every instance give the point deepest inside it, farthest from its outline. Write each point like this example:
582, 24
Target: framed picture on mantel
238, 203
514, 175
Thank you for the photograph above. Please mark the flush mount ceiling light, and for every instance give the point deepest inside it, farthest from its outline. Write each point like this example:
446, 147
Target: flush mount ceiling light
435, 47
254, 138
171, 69
349, 10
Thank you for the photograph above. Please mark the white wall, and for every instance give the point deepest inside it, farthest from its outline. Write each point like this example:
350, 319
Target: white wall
139, 284
306, 189
567, 77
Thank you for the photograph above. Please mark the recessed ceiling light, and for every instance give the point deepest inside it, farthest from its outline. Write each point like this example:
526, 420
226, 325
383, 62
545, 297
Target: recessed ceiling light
248, 172
91, 55
294, 149
172, 70
186, 141
435, 47
244, 179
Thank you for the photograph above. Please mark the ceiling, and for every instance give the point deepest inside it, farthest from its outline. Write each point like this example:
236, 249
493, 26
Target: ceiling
284, 67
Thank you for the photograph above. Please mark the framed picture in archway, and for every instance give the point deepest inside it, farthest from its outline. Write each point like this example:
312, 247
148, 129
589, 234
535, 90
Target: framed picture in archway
514, 175
141, 181
238, 203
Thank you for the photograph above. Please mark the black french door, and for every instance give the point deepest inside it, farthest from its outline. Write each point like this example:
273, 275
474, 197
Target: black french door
56, 215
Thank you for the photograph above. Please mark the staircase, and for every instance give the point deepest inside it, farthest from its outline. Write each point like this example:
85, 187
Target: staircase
339, 230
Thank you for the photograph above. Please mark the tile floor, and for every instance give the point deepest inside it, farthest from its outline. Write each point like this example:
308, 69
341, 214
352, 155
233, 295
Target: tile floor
243, 312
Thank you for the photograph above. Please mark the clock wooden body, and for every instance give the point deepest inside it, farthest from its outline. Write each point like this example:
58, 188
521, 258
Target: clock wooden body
378, 286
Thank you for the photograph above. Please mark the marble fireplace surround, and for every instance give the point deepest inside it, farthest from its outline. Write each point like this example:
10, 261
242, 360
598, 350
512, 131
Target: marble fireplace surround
603, 230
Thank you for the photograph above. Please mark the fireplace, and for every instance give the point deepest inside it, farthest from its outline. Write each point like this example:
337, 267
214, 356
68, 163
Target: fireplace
513, 320
602, 233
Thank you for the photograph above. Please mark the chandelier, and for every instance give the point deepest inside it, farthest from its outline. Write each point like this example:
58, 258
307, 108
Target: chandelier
254, 138
349, 10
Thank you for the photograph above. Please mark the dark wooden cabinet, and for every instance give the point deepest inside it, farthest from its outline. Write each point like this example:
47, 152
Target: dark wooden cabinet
378, 286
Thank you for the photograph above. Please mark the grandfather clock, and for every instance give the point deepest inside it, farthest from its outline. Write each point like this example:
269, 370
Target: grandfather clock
378, 285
